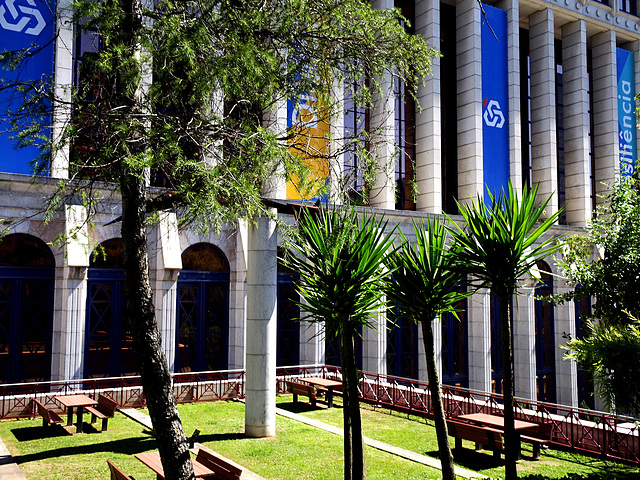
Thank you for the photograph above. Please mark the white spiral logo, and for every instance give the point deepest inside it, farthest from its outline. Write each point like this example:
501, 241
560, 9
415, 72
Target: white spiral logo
20, 18
493, 116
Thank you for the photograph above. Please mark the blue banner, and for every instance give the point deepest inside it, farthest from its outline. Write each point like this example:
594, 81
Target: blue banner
495, 100
25, 25
626, 112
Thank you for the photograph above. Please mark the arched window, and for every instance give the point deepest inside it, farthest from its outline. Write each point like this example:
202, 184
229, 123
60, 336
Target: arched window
26, 309
288, 337
402, 346
455, 346
202, 334
545, 342
108, 342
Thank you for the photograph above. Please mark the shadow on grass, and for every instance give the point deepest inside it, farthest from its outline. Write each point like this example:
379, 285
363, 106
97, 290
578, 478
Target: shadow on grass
35, 433
301, 407
472, 459
129, 446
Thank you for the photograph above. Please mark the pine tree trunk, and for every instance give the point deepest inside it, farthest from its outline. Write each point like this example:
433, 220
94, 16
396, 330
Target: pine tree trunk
440, 422
354, 459
140, 314
511, 451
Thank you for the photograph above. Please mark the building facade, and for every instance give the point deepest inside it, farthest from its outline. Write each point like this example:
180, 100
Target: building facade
526, 92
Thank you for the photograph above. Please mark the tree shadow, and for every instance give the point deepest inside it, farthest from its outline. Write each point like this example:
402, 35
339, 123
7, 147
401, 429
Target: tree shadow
473, 459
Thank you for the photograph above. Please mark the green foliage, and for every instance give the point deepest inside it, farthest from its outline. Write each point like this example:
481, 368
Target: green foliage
605, 264
341, 264
501, 242
424, 275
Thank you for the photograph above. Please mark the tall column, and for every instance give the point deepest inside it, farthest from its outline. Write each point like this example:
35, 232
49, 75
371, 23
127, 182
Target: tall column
428, 122
566, 370
512, 7
524, 347
544, 145
479, 318
575, 84
374, 346
605, 109
168, 263
238, 297
63, 73
276, 122
469, 88
262, 292
382, 125
71, 299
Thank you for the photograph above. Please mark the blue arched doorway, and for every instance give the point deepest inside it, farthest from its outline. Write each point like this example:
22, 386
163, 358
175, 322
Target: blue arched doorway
108, 341
26, 309
545, 341
202, 333
288, 336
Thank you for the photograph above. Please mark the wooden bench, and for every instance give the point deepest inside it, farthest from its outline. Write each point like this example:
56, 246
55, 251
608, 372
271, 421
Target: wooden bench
116, 473
49, 417
223, 468
482, 436
541, 438
302, 389
105, 409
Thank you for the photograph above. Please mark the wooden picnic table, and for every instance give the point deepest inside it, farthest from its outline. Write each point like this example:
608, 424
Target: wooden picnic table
77, 401
497, 421
324, 383
152, 460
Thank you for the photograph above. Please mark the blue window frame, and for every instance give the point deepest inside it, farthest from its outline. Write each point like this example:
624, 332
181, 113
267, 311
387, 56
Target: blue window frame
202, 333
288, 339
497, 373
108, 348
402, 348
545, 341
585, 377
26, 309
455, 348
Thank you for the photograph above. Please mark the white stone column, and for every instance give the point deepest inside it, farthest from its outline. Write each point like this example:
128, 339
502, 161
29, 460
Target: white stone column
566, 370
524, 346
423, 374
63, 78
71, 296
382, 127
544, 145
437, 343
512, 7
238, 298
605, 109
262, 292
577, 161
479, 331
337, 185
276, 121
168, 263
428, 121
469, 88
374, 346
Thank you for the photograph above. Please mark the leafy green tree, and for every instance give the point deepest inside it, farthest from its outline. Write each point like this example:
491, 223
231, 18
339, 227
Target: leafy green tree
605, 264
341, 263
184, 94
423, 287
501, 242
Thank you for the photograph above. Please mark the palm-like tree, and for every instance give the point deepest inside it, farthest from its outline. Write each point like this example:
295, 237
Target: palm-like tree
341, 264
501, 243
422, 288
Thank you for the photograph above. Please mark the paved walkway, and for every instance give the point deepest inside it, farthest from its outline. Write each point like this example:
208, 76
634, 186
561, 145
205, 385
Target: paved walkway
9, 469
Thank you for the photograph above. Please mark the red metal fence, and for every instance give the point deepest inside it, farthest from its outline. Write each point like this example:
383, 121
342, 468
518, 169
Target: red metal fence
595, 433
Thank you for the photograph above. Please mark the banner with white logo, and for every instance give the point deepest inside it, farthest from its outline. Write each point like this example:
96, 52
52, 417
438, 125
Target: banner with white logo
626, 112
25, 25
495, 100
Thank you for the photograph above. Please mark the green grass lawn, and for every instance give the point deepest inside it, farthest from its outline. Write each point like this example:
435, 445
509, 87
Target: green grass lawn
297, 451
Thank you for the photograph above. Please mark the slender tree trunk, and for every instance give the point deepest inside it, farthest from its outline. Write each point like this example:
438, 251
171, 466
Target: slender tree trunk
140, 313
444, 449
511, 453
354, 459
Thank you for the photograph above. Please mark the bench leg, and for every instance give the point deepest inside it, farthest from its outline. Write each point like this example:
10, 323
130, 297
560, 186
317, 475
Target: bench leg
93, 418
295, 398
104, 424
458, 443
44, 422
313, 401
536, 451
